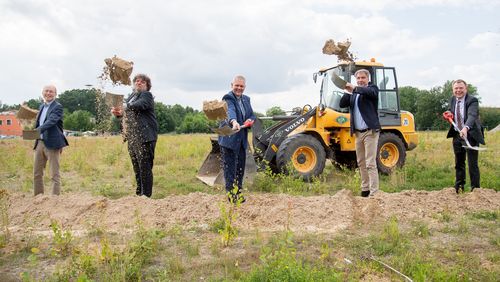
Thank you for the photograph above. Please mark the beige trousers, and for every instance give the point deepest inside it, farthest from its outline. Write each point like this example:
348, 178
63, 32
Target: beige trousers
366, 154
42, 155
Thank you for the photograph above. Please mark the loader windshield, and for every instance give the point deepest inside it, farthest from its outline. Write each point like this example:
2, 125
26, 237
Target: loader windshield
332, 92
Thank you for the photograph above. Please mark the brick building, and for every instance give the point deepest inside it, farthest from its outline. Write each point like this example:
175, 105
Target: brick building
9, 124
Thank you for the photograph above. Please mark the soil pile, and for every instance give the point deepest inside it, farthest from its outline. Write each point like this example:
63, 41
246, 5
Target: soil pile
118, 70
264, 212
341, 49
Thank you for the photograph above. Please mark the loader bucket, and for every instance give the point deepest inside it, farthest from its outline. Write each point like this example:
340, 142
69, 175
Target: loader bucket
211, 172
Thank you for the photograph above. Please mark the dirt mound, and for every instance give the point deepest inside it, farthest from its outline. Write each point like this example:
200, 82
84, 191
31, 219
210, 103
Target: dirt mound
265, 212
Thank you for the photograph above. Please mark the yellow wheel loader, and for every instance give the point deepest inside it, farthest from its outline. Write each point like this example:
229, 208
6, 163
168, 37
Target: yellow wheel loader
300, 143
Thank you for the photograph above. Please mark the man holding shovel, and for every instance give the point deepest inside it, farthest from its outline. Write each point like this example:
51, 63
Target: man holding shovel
463, 111
233, 147
49, 146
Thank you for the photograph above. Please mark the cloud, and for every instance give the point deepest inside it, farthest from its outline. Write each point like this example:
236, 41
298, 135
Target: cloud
486, 42
484, 77
380, 5
193, 49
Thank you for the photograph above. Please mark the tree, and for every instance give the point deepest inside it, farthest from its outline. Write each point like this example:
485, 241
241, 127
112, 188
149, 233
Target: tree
194, 123
165, 118
79, 120
35, 103
79, 99
408, 96
275, 111
428, 105
490, 117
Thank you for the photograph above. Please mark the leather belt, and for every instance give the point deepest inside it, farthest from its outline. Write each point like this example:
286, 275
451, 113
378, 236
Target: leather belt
362, 130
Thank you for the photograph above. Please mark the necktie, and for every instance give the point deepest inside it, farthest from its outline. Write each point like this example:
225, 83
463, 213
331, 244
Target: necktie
460, 121
240, 102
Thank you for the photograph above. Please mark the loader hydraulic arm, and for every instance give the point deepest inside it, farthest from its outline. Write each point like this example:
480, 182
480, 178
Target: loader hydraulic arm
266, 143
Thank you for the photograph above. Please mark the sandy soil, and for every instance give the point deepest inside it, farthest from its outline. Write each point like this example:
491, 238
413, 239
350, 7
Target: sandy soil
265, 212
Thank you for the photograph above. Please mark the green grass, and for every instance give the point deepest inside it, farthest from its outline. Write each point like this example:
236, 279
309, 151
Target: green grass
101, 165
450, 247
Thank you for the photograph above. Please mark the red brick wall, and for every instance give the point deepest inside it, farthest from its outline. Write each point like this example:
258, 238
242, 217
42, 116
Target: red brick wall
14, 128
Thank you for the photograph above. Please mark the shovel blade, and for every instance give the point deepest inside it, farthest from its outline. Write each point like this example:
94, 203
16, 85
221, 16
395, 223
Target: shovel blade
338, 81
211, 171
224, 130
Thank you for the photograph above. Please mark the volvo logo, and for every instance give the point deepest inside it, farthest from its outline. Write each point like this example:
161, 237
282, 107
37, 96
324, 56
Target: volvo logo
294, 125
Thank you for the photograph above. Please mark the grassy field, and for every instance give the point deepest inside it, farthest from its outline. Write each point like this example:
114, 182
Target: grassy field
102, 166
451, 247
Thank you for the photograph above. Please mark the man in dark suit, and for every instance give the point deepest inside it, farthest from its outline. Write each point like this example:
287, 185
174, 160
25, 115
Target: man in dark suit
141, 131
465, 109
49, 124
233, 147
362, 101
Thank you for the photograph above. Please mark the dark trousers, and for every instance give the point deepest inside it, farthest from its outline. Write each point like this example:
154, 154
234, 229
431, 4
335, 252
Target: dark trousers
142, 156
460, 155
233, 163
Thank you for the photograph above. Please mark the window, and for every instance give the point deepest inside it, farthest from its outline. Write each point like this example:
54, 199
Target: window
386, 82
387, 100
9, 122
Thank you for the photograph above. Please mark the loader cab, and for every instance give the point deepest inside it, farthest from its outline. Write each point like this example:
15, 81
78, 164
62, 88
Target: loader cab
384, 77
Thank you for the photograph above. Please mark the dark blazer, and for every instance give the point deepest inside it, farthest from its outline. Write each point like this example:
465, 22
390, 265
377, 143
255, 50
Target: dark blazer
367, 103
52, 128
471, 119
140, 118
234, 141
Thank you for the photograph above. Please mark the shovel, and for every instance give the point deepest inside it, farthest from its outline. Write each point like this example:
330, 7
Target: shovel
338, 81
227, 130
449, 118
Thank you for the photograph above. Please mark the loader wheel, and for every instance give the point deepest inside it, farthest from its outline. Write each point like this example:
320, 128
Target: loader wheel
301, 155
391, 153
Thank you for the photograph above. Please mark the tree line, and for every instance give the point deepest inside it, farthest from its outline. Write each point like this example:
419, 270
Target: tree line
85, 110
427, 106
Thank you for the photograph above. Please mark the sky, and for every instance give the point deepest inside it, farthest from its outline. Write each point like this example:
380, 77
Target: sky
193, 49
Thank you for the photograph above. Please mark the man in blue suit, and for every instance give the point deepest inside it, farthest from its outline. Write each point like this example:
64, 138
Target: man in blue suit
362, 101
49, 124
233, 147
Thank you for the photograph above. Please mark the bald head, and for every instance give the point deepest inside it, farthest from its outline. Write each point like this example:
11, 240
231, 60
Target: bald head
49, 93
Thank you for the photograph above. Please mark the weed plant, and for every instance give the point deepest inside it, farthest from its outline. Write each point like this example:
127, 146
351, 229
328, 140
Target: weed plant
110, 263
4, 218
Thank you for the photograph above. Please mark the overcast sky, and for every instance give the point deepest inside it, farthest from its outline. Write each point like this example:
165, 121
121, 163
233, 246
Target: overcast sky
192, 49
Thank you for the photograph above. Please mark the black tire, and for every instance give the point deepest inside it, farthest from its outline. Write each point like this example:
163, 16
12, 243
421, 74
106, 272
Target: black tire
391, 153
301, 155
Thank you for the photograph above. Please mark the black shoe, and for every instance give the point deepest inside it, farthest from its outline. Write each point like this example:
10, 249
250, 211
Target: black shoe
365, 193
472, 188
459, 189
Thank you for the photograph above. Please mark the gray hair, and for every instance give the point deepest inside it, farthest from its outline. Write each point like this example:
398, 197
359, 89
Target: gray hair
365, 71
239, 77
50, 86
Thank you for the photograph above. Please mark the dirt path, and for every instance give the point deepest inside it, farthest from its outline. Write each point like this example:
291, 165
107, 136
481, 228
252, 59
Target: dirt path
265, 212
